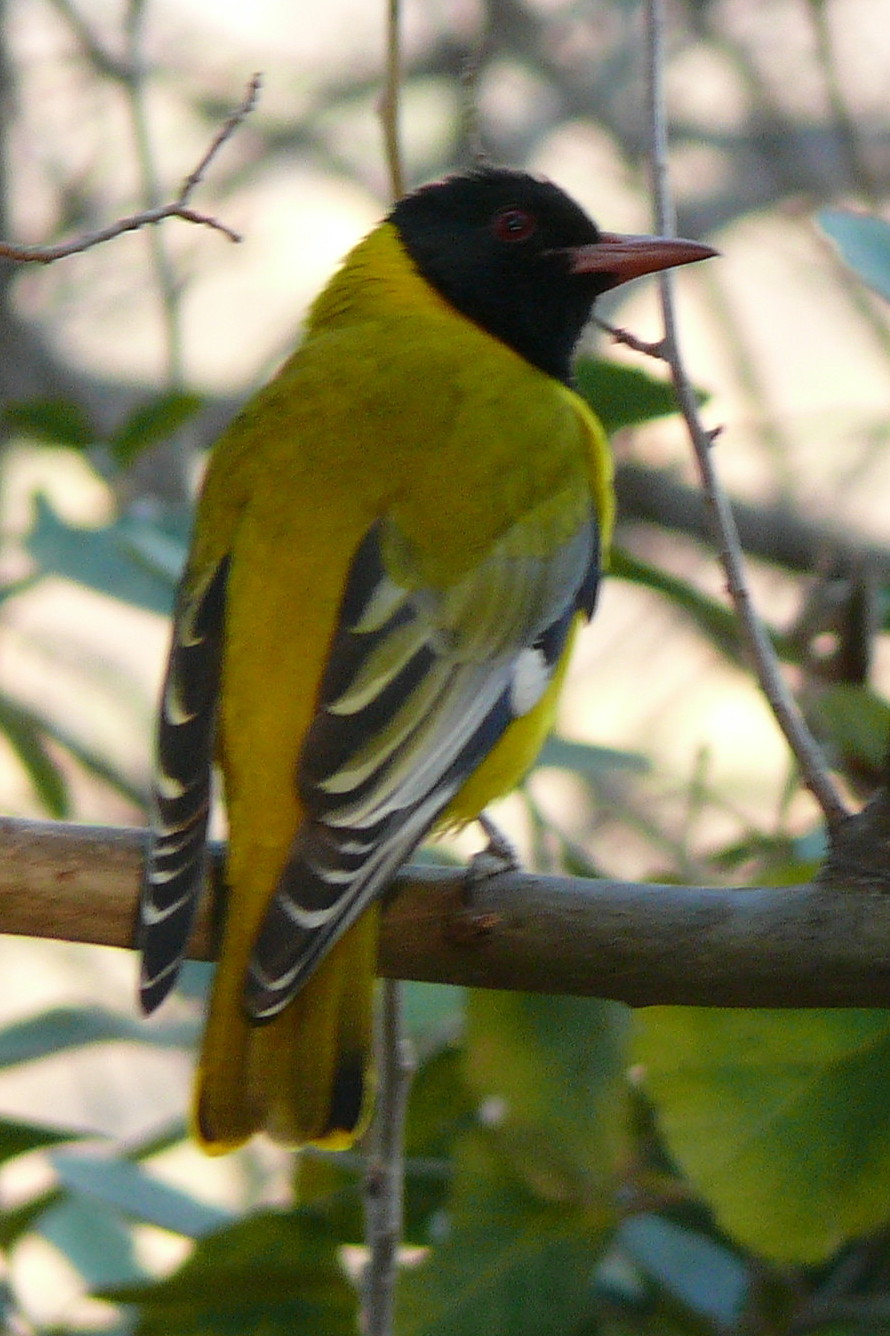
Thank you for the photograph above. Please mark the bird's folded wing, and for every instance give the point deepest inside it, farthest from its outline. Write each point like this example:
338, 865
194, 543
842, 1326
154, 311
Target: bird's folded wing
420, 685
182, 784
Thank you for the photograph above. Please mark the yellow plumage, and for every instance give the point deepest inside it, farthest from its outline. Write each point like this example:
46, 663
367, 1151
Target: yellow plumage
306, 499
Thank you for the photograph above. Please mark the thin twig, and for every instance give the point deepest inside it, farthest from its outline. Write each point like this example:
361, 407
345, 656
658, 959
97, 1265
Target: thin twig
469, 87
389, 102
626, 339
803, 745
223, 134
385, 1165
176, 208
385, 1174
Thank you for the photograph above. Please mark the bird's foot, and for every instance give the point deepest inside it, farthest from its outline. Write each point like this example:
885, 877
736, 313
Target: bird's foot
498, 856
470, 924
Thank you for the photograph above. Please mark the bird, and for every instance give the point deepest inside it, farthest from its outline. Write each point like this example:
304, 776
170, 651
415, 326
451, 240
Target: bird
395, 543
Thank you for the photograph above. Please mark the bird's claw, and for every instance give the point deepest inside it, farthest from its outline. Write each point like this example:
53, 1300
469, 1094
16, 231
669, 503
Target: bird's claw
498, 856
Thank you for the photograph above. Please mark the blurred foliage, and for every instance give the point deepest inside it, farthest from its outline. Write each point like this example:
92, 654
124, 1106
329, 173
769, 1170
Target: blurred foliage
571, 1169
777, 1120
864, 243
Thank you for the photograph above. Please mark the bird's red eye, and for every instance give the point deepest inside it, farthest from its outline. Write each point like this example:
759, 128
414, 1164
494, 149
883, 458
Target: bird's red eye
513, 224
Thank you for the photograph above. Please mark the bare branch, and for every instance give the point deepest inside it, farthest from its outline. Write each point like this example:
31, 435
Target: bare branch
177, 208
389, 102
802, 743
626, 339
223, 135
816, 944
385, 1165
772, 533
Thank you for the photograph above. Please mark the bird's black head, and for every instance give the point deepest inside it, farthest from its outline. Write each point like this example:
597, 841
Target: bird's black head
493, 244
520, 258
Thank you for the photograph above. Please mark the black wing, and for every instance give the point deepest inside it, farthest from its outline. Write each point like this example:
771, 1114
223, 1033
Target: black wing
181, 790
420, 685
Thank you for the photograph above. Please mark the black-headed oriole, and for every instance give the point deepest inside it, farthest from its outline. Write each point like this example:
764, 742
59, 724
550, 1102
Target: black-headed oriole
395, 543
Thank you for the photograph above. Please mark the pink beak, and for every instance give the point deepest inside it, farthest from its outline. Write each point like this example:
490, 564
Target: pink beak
621, 258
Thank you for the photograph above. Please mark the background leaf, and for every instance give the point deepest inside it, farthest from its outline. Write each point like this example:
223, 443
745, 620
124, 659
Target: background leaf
509, 1264
152, 422
778, 1118
864, 243
702, 1274
551, 1073
622, 396
110, 560
26, 737
52, 421
94, 1240
62, 1028
19, 1138
133, 1192
272, 1274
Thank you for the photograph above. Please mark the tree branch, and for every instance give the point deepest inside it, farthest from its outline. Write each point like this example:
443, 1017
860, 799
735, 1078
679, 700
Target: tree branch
177, 208
817, 944
813, 769
778, 534
384, 1186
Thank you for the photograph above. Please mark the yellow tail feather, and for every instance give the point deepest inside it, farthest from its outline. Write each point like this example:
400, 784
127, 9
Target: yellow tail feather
305, 1076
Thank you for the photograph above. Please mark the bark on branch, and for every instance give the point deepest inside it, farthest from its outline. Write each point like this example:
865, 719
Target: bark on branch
821, 943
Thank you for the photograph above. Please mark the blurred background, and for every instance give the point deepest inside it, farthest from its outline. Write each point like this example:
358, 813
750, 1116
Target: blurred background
120, 365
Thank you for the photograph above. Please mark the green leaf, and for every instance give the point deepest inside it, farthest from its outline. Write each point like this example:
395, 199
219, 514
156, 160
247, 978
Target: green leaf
694, 1269
194, 980
441, 1109
94, 1240
549, 1075
13, 588
91, 761
154, 421
131, 1190
108, 559
864, 243
161, 548
16, 1221
778, 1119
25, 736
273, 1274
125, 1328
441, 1106
19, 1138
588, 761
53, 421
63, 1028
509, 1264
718, 622
778, 859
857, 723
31, 728
330, 1183
434, 1013
159, 1139
622, 396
